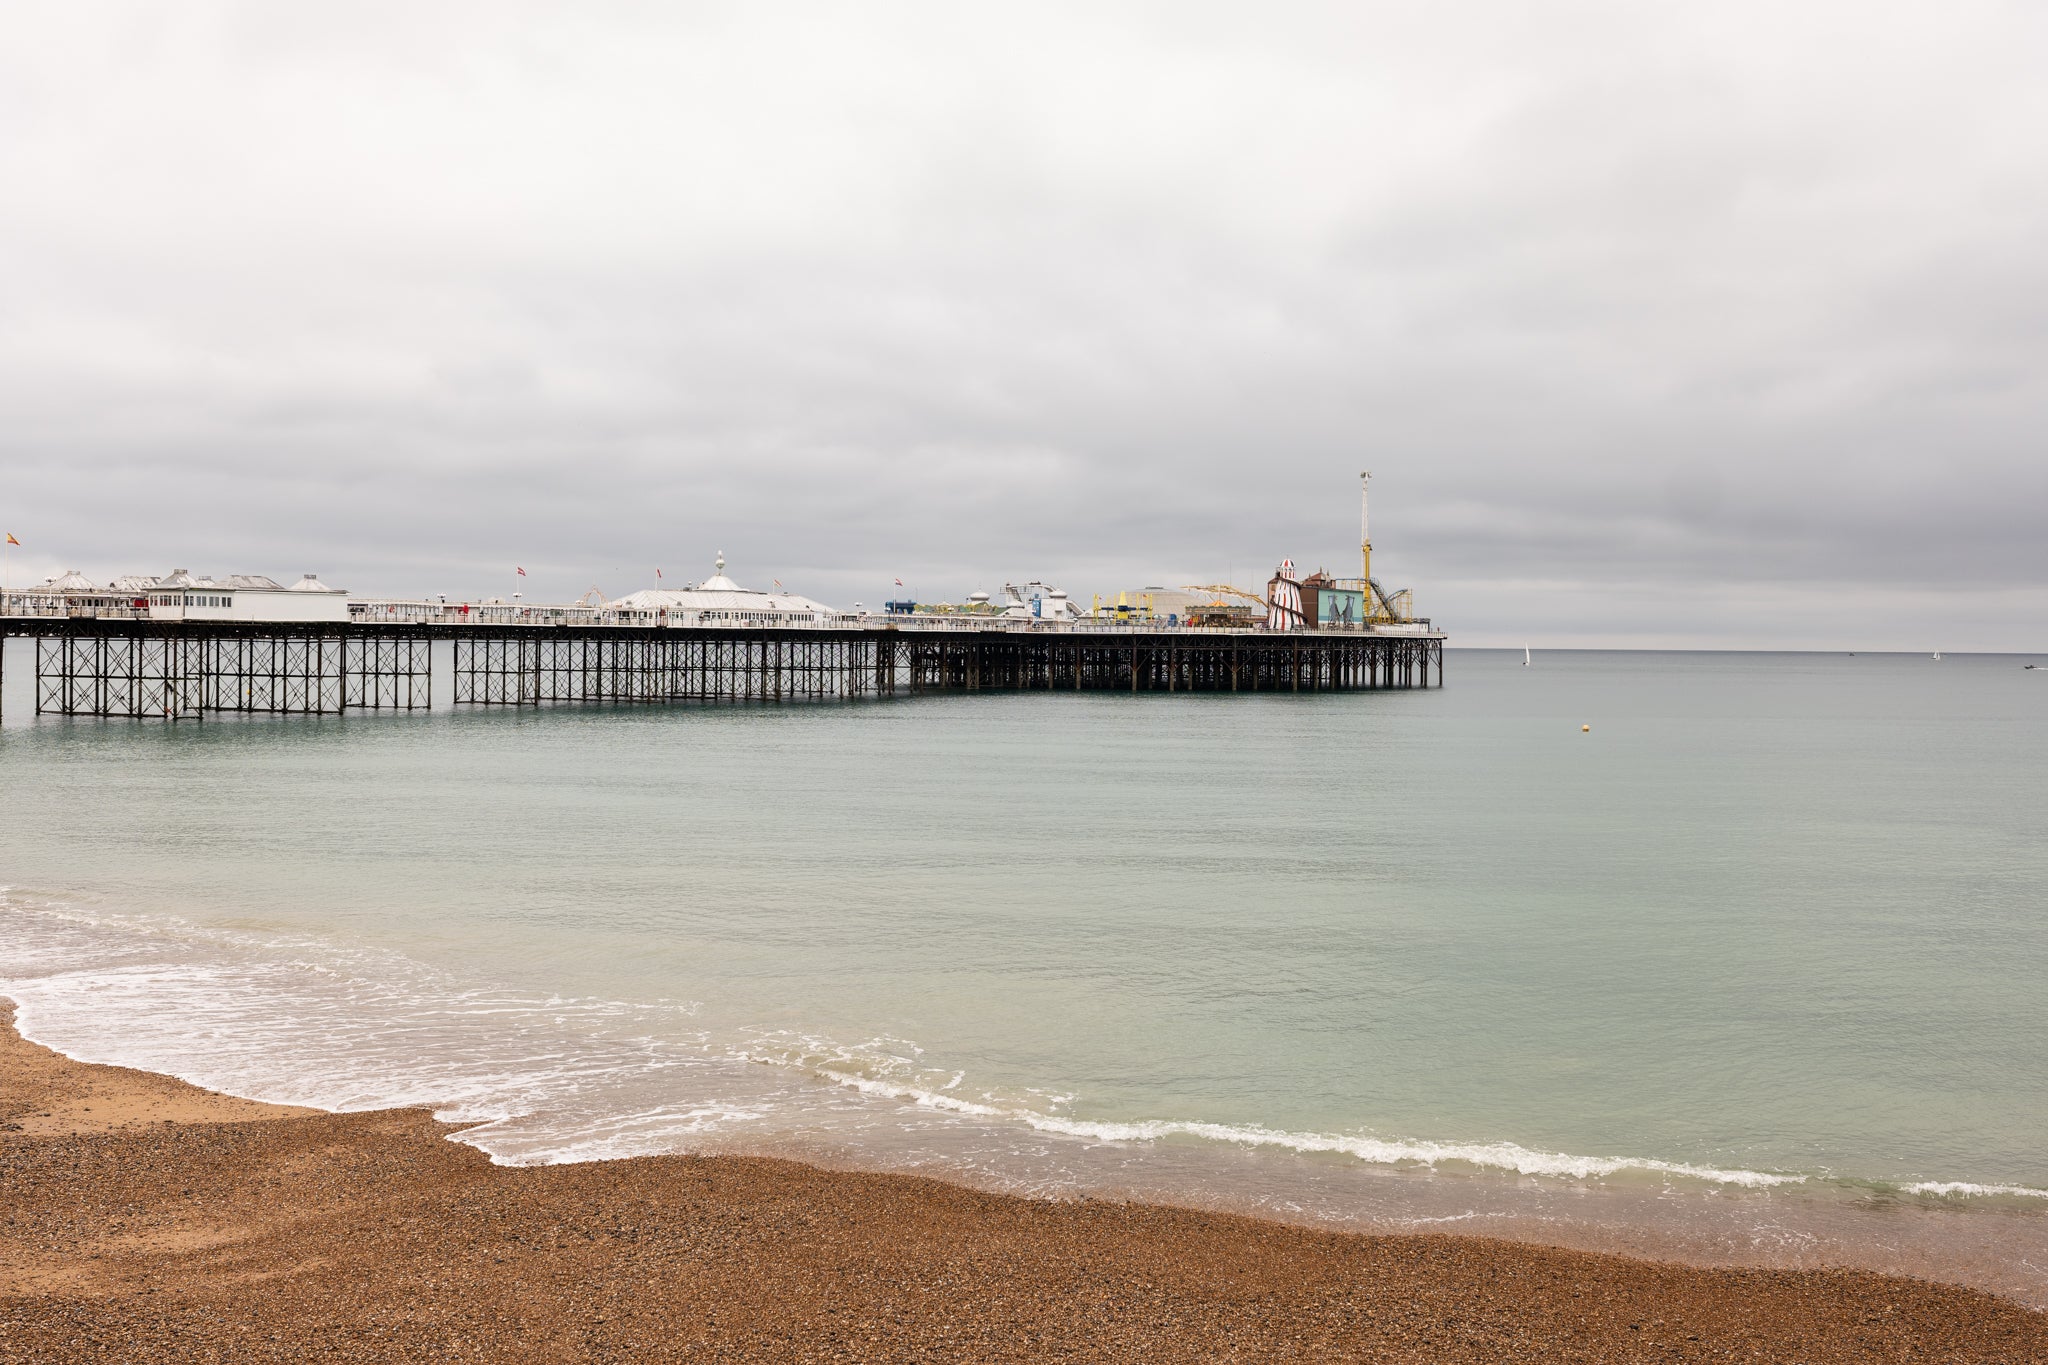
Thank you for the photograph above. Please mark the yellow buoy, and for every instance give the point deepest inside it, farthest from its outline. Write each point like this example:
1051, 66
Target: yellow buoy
1585, 729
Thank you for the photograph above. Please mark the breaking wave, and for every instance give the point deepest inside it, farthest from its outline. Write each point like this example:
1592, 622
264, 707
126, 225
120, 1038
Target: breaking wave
543, 1079
1502, 1156
1963, 1189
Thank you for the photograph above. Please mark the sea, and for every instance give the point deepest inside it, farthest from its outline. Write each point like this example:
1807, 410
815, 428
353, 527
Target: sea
1721, 957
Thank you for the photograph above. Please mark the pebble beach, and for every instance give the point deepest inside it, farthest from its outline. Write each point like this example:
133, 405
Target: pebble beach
147, 1219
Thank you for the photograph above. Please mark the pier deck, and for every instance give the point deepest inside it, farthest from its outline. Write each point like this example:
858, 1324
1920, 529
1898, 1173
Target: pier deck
96, 666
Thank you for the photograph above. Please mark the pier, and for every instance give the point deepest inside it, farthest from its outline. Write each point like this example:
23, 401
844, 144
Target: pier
127, 665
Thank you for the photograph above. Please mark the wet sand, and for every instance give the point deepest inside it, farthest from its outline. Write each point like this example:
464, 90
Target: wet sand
145, 1219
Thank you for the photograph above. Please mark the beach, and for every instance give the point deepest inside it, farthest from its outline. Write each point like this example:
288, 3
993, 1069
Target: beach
149, 1220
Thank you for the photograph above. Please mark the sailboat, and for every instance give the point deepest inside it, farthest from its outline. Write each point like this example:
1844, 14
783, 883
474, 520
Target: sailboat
1525, 656
1937, 656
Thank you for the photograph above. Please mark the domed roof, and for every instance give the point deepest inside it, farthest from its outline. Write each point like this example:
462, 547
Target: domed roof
311, 583
74, 581
718, 582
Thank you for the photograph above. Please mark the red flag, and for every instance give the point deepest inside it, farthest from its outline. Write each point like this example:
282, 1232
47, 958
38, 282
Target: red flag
899, 582
657, 573
522, 572
11, 540
776, 581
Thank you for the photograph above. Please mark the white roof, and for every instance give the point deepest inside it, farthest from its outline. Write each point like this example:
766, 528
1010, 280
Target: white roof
716, 599
73, 581
184, 578
719, 593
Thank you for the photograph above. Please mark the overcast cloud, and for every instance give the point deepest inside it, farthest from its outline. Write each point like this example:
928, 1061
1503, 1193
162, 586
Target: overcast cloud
1711, 324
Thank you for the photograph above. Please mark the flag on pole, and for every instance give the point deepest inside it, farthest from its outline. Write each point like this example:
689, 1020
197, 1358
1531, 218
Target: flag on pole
899, 582
657, 573
11, 540
522, 572
777, 582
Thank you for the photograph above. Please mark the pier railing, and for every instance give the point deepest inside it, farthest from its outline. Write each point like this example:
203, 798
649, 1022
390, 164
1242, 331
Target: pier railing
374, 610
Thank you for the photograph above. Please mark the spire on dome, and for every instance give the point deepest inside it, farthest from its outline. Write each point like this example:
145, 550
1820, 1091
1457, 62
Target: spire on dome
718, 582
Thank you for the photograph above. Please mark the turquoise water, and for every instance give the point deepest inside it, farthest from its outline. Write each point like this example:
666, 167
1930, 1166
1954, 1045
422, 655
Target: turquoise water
1776, 927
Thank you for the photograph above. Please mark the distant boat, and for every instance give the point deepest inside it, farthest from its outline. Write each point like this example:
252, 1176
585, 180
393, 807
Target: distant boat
1525, 656
1937, 656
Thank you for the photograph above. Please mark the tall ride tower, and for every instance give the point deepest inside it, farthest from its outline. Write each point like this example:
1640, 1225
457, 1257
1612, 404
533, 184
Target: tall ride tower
1364, 534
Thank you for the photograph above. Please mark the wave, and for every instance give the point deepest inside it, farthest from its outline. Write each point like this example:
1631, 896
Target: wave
534, 1077
850, 1068
1963, 1189
544, 1079
1503, 1156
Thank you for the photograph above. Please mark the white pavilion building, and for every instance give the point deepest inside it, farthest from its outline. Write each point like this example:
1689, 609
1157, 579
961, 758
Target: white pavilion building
718, 601
182, 595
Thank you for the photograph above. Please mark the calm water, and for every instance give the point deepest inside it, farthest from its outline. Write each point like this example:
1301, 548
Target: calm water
1758, 968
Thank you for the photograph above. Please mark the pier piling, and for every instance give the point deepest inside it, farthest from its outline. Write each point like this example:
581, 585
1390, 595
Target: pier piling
187, 670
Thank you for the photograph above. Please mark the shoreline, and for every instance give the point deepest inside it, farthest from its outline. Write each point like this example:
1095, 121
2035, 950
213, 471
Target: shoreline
1829, 1225
151, 1219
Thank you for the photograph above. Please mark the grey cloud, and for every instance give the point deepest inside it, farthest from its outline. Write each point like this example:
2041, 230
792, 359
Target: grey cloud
1685, 319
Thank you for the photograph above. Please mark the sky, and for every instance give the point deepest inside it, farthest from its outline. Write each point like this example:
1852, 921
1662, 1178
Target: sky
1715, 325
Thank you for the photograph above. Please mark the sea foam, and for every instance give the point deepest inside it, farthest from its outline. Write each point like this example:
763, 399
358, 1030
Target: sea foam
1963, 1189
544, 1079
1502, 1156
